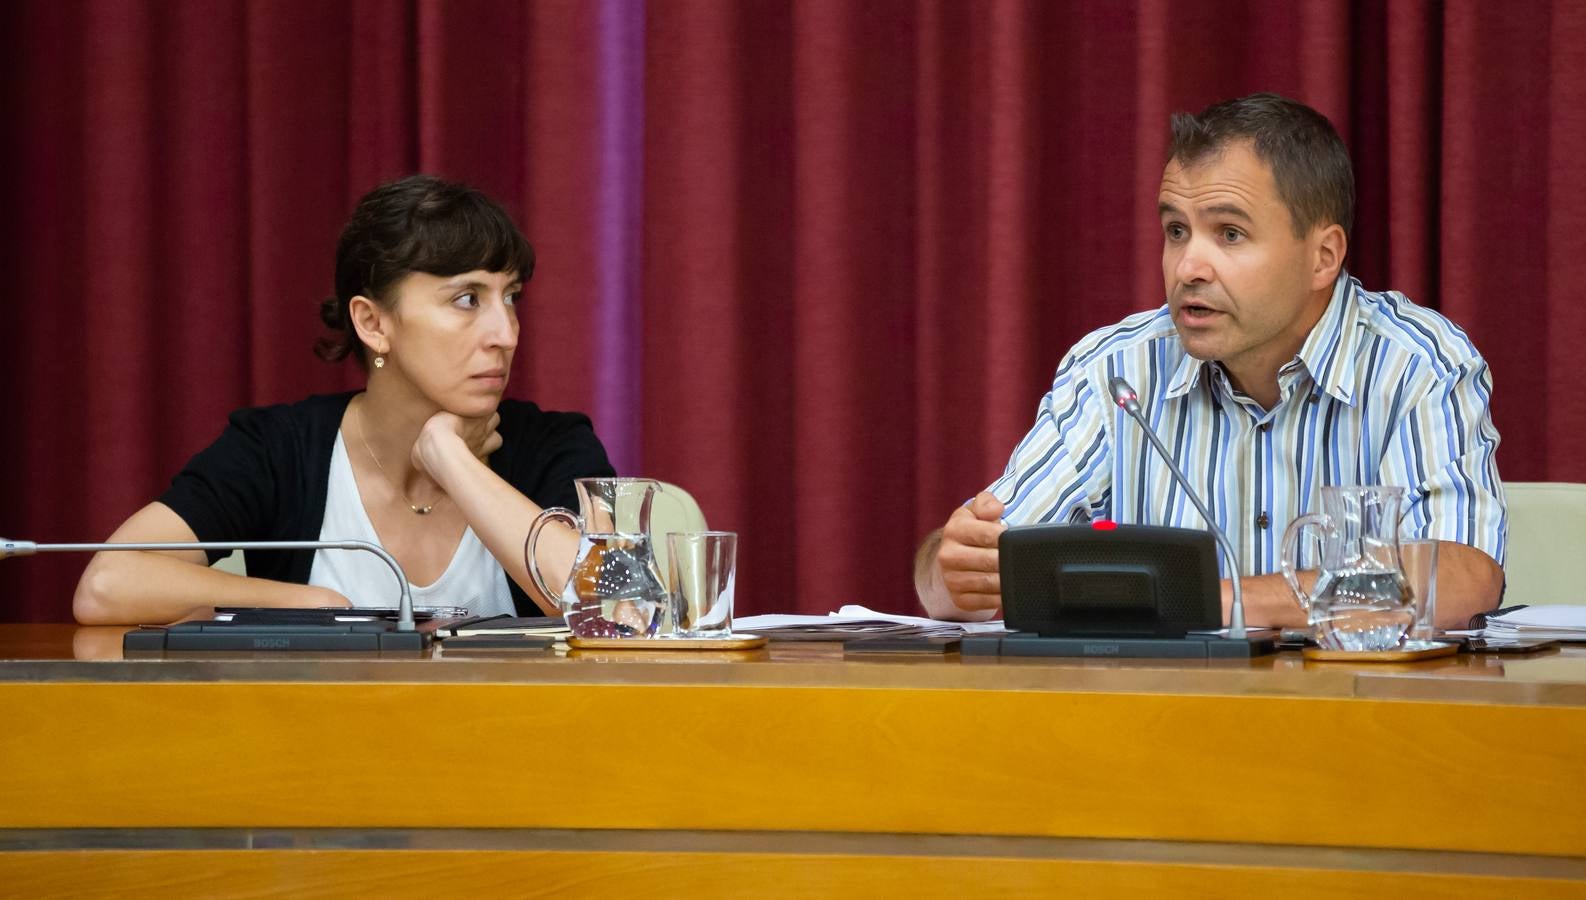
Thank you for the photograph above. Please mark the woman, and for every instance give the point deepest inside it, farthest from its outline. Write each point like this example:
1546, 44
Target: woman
428, 461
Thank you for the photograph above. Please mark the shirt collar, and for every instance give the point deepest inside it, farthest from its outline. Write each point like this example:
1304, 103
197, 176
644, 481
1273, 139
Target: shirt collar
1185, 377
1330, 349
1326, 353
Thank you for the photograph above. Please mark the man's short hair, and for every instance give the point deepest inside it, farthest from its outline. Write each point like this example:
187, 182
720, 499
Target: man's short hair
1308, 159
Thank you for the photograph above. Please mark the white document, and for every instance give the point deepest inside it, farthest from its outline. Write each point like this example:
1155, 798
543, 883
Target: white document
861, 612
856, 620
1551, 622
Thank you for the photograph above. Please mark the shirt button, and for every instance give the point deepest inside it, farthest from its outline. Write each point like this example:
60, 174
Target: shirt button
1266, 427
1262, 521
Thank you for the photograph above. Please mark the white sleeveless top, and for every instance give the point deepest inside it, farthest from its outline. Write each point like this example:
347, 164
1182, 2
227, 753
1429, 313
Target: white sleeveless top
473, 579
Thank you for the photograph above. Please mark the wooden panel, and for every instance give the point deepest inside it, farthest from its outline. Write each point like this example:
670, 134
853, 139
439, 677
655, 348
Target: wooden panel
44, 654
1200, 768
427, 874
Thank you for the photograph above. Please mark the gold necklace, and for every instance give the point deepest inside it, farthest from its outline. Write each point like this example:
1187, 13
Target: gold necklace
421, 510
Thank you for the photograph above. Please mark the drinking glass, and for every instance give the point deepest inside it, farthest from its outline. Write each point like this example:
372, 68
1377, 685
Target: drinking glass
1419, 559
703, 566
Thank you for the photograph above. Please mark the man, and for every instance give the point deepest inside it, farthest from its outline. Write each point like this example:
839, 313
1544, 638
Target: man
1270, 373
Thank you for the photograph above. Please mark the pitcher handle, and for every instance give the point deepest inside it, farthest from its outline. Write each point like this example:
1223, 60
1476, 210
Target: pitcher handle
531, 559
1289, 558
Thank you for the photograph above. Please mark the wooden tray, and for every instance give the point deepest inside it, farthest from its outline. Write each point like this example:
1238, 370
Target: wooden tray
1410, 652
736, 642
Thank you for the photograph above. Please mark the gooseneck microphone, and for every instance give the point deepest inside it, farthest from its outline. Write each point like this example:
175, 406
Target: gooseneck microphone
1125, 397
10, 548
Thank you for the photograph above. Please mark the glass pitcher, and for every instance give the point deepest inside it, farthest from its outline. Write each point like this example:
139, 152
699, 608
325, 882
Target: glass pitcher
615, 589
1361, 600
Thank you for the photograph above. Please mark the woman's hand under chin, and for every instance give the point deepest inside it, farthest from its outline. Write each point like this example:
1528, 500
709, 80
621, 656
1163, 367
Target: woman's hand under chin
446, 431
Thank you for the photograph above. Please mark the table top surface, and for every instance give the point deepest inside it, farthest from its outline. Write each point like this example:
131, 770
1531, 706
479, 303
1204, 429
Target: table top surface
70, 653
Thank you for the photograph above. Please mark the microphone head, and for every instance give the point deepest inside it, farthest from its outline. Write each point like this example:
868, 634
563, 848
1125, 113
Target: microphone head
1123, 394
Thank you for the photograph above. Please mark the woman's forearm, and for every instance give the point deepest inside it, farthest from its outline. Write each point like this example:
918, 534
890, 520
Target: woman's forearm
135, 587
499, 515
140, 587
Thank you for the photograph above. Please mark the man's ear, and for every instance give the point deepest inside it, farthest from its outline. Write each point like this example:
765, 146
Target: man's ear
371, 323
1331, 245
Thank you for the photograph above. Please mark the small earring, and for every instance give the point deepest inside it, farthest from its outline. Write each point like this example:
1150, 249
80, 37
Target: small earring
379, 362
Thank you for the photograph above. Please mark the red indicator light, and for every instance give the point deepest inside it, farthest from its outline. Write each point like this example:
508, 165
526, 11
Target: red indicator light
1104, 525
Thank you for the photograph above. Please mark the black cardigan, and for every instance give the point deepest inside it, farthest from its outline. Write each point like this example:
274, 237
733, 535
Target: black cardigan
266, 476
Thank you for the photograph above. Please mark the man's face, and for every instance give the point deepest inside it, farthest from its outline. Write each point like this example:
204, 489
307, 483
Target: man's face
1239, 283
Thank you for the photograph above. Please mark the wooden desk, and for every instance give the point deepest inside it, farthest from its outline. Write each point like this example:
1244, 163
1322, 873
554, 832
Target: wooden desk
792, 772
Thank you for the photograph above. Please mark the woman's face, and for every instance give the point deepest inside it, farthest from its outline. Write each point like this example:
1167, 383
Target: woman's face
452, 337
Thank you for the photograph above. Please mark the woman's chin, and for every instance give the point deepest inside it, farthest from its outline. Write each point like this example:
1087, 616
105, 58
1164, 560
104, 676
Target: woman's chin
472, 407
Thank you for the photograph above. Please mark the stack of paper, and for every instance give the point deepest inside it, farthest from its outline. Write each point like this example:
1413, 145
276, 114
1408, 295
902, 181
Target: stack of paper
856, 621
1541, 623
532, 625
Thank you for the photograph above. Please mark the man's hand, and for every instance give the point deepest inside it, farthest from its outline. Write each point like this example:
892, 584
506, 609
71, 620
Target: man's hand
968, 556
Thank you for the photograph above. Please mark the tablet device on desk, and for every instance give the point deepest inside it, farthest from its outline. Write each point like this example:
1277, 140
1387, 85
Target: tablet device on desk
895, 644
1523, 645
420, 613
1298, 639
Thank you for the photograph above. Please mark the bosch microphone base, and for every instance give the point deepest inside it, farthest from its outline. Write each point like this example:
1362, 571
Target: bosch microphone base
1028, 644
381, 637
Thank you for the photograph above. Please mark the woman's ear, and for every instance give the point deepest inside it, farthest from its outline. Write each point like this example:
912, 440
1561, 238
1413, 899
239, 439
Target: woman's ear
371, 322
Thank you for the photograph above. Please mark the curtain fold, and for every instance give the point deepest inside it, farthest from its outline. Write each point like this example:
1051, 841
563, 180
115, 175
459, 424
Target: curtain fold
814, 260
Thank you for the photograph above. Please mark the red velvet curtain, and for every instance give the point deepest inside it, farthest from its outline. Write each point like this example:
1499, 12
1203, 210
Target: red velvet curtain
815, 260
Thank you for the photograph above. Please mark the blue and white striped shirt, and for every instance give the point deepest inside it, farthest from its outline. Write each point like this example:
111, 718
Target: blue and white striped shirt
1382, 392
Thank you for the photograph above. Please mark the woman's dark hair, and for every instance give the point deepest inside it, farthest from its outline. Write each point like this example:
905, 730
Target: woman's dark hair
418, 224
1308, 159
